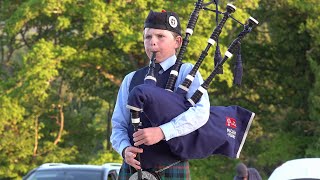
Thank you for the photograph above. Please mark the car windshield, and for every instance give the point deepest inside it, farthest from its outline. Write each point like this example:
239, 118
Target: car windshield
69, 174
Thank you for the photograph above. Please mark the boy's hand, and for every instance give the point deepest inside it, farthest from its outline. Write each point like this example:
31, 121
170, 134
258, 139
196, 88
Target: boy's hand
130, 153
148, 136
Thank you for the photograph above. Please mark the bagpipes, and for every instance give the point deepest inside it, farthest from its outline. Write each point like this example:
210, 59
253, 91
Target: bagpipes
225, 131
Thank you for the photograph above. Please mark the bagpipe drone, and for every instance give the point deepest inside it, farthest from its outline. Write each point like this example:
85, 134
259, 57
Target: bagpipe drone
227, 127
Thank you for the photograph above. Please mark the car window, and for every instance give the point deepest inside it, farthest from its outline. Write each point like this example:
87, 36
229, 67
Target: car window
84, 175
48, 175
66, 175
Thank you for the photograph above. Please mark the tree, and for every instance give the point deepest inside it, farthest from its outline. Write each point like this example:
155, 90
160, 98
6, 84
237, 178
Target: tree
62, 63
57, 41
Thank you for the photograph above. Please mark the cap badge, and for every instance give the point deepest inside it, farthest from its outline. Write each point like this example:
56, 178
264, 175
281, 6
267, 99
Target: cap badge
173, 21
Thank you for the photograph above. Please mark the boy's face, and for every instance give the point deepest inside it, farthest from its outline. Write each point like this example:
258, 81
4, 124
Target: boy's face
161, 41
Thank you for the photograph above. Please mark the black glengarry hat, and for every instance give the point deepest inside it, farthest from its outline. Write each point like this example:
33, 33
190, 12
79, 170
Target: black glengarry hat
163, 20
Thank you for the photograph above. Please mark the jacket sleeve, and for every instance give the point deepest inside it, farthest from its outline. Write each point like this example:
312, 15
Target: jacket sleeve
195, 116
121, 117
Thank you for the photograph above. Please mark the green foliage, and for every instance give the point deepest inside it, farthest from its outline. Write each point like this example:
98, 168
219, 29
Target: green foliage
215, 167
102, 157
15, 138
313, 149
54, 35
62, 63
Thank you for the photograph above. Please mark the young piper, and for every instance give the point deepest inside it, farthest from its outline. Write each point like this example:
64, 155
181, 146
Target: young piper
162, 34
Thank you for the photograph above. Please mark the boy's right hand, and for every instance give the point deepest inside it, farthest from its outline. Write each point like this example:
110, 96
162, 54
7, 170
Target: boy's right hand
130, 153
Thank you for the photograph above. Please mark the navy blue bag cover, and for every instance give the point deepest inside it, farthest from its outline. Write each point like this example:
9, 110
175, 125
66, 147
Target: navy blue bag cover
223, 134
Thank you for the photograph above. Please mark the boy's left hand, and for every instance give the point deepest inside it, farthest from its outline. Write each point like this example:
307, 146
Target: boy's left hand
148, 136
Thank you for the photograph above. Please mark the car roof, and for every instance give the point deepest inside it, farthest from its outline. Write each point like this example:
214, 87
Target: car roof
105, 168
68, 166
298, 169
56, 166
112, 165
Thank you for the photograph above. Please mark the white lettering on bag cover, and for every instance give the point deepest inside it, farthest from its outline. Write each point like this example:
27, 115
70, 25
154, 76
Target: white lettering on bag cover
231, 133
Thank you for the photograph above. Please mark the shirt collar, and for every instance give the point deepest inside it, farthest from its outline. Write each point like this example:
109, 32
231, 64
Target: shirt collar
165, 65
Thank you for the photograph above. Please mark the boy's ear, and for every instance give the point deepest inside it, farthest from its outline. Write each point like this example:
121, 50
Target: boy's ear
178, 41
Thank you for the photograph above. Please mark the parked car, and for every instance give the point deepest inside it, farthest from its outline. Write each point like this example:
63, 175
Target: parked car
298, 169
61, 171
